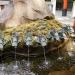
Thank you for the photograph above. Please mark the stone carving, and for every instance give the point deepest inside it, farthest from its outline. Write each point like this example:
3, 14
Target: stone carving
21, 11
6, 12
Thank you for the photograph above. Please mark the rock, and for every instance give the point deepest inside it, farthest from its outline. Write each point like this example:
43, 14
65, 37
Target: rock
27, 10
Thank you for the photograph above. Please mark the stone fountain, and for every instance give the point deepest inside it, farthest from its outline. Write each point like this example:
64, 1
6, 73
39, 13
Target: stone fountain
29, 31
